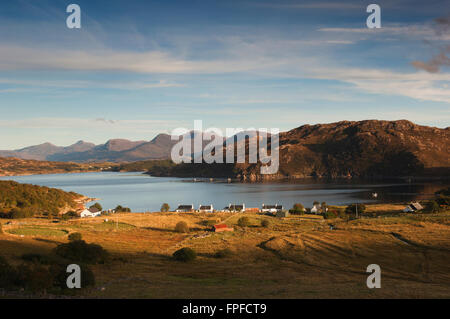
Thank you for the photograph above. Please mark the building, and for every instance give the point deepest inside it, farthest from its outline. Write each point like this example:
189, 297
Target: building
413, 207
91, 212
271, 208
235, 208
221, 228
206, 209
317, 209
185, 208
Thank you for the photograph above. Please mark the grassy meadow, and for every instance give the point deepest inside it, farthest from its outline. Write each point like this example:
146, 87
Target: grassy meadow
294, 257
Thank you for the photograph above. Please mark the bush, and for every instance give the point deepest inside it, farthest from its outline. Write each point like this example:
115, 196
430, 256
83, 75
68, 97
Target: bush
243, 222
432, 207
80, 251
75, 237
265, 223
185, 254
165, 208
224, 253
182, 227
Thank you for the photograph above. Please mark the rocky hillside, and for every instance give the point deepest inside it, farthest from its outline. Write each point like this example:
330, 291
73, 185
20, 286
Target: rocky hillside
347, 149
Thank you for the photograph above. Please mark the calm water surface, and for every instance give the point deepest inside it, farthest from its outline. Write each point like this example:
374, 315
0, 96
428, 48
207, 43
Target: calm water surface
145, 193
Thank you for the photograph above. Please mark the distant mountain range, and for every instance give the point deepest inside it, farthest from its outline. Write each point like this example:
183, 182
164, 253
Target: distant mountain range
115, 150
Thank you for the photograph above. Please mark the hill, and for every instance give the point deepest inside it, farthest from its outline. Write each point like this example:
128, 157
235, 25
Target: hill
24, 200
346, 149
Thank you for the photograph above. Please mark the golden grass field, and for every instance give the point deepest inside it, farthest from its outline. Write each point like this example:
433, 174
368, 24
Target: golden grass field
295, 257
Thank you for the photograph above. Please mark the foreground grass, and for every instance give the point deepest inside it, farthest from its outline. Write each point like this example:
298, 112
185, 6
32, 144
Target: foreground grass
296, 257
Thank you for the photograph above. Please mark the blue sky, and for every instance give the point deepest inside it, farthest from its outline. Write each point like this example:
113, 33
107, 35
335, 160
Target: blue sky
138, 68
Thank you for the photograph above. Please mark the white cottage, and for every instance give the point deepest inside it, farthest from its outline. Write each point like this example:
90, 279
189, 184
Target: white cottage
413, 207
91, 212
206, 209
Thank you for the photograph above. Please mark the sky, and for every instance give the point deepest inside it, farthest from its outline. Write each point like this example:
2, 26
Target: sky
137, 68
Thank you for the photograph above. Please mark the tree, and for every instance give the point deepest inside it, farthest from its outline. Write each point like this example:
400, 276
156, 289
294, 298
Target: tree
316, 203
432, 207
243, 221
165, 208
182, 227
98, 206
324, 207
298, 208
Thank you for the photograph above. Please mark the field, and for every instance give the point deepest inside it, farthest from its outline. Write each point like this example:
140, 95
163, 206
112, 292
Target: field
294, 257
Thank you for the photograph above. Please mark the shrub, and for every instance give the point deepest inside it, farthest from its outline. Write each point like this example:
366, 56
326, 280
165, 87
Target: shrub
165, 208
223, 253
75, 237
182, 227
80, 251
185, 254
432, 207
243, 222
265, 223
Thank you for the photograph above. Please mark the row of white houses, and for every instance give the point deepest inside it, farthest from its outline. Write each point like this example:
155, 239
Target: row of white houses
230, 208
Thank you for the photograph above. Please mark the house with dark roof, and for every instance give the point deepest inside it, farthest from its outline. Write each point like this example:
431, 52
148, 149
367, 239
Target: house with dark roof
271, 208
185, 208
206, 209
